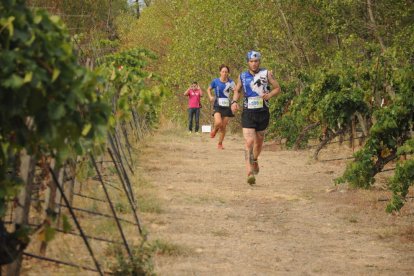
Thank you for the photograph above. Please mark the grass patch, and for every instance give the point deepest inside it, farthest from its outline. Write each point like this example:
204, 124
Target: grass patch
112, 170
221, 233
203, 199
104, 225
142, 183
141, 262
173, 129
149, 204
147, 200
122, 208
162, 247
353, 219
386, 233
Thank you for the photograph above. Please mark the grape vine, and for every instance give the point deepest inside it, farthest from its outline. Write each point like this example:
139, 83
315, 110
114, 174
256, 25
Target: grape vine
49, 104
52, 107
390, 139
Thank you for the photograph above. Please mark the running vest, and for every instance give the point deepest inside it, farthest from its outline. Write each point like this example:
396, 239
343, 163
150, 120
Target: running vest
222, 91
254, 87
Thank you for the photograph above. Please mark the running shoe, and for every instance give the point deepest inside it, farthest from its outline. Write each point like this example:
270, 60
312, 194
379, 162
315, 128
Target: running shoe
251, 179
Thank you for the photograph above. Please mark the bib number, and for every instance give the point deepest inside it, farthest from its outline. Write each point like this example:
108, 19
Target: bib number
224, 102
254, 102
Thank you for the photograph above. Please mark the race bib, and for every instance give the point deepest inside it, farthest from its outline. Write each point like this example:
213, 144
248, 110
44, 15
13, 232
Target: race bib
254, 102
224, 102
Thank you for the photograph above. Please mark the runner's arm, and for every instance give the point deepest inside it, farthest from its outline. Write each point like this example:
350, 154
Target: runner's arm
236, 95
236, 90
186, 92
209, 94
275, 85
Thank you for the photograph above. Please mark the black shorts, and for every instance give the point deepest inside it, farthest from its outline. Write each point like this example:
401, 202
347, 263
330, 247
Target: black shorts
224, 111
259, 120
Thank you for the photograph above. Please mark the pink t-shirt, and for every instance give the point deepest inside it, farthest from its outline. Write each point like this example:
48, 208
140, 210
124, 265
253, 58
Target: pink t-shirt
194, 98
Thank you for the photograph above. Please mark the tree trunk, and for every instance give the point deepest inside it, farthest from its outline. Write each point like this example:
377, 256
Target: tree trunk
363, 123
21, 212
50, 205
70, 182
353, 132
303, 133
330, 135
138, 11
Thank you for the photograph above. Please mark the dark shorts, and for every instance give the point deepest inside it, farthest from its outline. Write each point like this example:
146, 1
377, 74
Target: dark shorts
259, 120
224, 111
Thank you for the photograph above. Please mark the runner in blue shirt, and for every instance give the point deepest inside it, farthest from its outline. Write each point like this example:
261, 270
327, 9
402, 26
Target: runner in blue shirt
222, 87
255, 117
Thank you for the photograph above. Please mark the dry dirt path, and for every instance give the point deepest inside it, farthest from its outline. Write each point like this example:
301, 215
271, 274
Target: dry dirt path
291, 223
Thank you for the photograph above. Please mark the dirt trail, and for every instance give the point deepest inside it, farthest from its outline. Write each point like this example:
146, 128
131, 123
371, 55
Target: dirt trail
292, 222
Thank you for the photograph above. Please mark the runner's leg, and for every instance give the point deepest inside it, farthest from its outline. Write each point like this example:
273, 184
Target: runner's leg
224, 123
217, 124
249, 137
258, 143
217, 121
257, 149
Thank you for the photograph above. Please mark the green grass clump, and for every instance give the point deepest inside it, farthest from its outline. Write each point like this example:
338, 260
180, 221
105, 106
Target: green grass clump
167, 248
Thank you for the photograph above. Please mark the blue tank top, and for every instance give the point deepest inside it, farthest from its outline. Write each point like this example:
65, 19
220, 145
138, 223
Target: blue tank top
222, 91
255, 86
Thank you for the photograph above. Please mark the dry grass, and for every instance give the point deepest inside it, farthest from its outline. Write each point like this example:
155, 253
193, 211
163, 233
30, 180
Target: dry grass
167, 248
294, 214
203, 199
221, 233
72, 249
291, 210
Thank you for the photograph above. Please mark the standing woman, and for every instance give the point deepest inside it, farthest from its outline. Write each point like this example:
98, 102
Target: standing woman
222, 112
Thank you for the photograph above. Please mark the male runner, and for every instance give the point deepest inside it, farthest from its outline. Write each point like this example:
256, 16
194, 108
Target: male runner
255, 117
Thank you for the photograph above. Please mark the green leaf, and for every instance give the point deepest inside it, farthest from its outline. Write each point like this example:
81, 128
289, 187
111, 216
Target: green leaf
28, 77
57, 110
49, 233
86, 128
55, 74
67, 227
37, 19
31, 40
55, 19
7, 23
14, 82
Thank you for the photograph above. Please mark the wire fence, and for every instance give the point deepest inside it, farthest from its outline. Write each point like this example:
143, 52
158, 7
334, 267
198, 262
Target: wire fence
53, 200
48, 203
